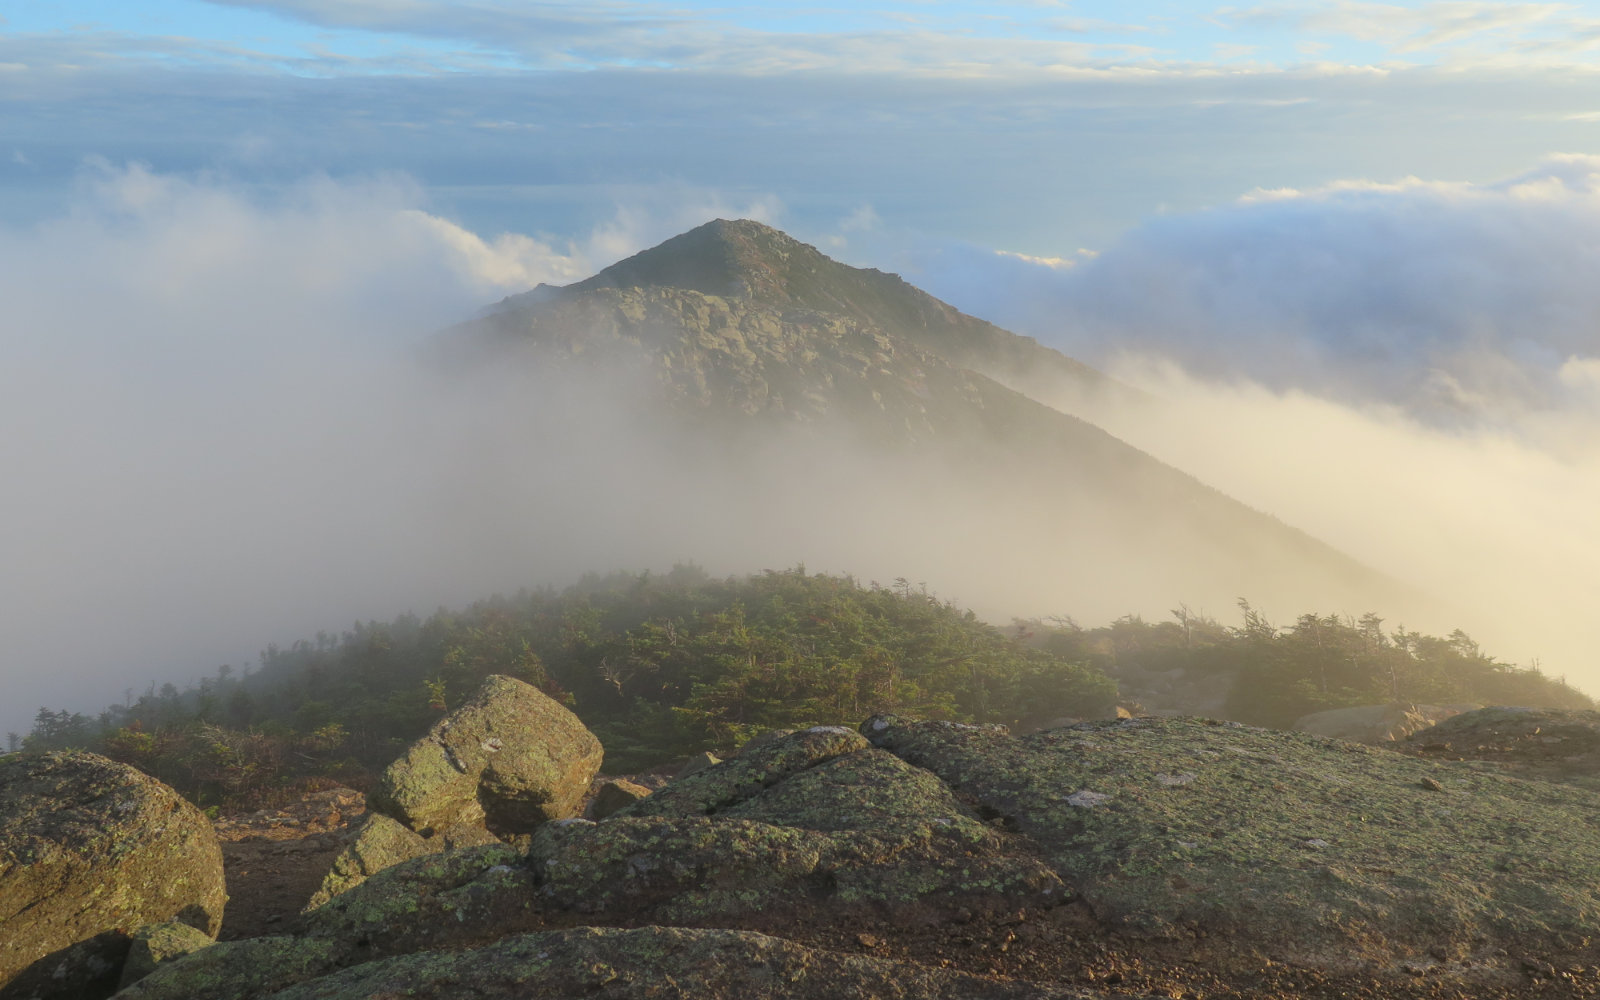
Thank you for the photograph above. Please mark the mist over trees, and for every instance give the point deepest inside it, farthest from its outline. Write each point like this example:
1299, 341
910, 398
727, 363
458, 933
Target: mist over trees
664, 665
1277, 674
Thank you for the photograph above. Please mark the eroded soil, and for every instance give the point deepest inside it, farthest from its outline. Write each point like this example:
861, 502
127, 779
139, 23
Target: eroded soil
275, 859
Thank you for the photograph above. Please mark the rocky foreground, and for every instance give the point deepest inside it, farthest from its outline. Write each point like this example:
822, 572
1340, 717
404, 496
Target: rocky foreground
1166, 857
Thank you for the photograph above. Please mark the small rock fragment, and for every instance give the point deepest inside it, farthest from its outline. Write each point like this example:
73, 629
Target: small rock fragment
1085, 799
699, 762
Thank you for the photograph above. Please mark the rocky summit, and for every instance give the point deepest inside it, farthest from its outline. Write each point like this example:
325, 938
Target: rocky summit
1148, 857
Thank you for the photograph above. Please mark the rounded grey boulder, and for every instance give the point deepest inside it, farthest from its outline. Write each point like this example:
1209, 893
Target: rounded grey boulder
511, 757
90, 851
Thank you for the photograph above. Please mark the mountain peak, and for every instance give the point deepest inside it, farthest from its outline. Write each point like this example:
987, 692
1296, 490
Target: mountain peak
726, 257
745, 260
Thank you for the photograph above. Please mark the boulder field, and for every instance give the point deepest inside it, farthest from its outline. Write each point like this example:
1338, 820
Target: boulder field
1166, 857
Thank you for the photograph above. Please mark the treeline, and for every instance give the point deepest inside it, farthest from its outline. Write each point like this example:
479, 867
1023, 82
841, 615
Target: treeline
663, 665
658, 666
1275, 674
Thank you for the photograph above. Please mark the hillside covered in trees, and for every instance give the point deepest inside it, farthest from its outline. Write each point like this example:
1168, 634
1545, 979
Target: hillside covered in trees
664, 665
659, 666
1273, 675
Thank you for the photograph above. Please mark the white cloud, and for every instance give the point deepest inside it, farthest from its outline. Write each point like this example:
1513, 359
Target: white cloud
1471, 31
1458, 301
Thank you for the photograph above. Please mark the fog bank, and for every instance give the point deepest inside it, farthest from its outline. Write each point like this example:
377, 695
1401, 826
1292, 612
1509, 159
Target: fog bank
1407, 370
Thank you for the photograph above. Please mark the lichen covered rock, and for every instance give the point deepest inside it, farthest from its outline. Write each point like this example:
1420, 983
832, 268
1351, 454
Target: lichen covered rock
438, 900
1321, 852
658, 962
511, 756
154, 944
379, 842
90, 851
1546, 743
1180, 856
238, 970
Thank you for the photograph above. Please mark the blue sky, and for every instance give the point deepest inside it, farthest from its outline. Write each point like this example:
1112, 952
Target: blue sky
325, 36
1038, 127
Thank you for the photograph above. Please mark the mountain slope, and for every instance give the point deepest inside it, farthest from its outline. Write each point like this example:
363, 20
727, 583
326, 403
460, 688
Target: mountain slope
738, 332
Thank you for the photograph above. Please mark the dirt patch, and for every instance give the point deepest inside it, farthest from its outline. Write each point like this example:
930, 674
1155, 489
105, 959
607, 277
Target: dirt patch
276, 858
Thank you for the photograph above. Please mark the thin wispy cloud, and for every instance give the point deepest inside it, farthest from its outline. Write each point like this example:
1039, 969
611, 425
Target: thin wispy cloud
1486, 31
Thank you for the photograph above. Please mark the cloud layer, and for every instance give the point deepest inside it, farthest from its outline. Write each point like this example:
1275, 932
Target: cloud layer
1453, 301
